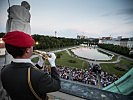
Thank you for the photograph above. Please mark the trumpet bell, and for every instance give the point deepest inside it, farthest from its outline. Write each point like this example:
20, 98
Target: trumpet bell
43, 53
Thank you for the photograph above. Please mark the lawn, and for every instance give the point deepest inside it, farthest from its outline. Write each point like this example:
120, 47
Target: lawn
69, 61
124, 64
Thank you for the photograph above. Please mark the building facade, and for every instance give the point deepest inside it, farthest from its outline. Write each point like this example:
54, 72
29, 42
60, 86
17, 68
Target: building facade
2, 47
124, 42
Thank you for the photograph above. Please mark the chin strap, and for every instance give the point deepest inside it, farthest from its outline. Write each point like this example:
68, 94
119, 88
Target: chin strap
30, 85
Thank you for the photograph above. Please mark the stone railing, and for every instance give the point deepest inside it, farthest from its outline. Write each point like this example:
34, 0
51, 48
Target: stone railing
89, 92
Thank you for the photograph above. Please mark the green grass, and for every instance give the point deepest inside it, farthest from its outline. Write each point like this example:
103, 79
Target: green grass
111, 68
114, 58
35, 60
126, 64
65, 58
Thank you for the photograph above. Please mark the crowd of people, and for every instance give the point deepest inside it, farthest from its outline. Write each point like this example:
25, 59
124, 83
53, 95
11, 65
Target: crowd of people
107, 79
88, 76
80, 75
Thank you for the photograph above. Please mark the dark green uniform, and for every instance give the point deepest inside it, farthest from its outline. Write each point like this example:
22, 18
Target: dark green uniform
15, 80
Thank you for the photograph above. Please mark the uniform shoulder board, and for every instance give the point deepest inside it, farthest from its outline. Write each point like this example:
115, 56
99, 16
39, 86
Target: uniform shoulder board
3, 67
35, 67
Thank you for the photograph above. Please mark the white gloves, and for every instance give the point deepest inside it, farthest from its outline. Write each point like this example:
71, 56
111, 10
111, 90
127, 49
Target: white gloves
51, 59
40, 61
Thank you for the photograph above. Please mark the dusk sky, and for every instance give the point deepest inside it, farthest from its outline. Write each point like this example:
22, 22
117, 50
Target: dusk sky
92, 18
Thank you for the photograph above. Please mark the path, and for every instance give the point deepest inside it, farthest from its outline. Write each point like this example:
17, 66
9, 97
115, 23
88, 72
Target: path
62, 96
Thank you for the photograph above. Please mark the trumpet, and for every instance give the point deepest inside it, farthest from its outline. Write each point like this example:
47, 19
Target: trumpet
44, 56
43, 53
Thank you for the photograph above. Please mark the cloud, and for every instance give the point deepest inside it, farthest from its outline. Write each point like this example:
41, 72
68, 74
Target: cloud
127, 15
128, 11
124, 15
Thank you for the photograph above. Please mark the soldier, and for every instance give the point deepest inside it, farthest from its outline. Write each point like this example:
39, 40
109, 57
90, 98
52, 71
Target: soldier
20, 79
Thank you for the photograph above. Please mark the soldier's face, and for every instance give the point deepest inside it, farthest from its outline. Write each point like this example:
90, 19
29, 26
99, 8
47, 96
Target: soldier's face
31, 50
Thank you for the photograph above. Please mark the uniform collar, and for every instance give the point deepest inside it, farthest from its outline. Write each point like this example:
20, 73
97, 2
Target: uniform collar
23, 61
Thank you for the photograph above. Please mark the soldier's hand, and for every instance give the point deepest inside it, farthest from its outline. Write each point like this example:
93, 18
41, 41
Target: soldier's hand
51, 59
40, 61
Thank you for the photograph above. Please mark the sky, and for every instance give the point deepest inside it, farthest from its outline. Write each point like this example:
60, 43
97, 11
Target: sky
69, 18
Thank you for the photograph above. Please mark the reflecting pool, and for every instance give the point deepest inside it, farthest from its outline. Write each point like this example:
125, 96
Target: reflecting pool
91, 53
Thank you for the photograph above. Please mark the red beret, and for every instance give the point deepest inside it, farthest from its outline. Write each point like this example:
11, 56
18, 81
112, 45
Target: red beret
18, 39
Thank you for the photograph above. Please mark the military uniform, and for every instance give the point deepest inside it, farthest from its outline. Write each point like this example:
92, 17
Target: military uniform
20, 82
15, 81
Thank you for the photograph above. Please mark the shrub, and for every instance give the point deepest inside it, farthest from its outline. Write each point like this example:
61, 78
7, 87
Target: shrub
71, 61
58, 55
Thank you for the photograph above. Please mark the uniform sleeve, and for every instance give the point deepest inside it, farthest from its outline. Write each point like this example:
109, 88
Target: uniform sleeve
49, 83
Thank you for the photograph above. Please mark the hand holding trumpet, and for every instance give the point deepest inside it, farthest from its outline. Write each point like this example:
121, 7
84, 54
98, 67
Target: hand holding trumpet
45, 56
50, 57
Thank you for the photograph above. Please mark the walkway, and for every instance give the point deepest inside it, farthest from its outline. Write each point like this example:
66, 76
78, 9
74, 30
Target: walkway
98, 62
116, 54
62, 96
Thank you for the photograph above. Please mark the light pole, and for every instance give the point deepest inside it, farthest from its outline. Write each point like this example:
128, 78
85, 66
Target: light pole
55, 33
36, 44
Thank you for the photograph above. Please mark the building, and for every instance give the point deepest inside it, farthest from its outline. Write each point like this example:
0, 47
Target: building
119, 38
124, 42
2, 47
81, 37
109, 40
106, 38
130, 43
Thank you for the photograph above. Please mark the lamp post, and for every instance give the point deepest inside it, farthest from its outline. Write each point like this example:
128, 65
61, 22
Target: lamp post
36, 44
